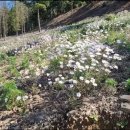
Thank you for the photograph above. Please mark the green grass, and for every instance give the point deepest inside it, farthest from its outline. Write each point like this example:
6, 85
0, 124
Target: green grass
9, 93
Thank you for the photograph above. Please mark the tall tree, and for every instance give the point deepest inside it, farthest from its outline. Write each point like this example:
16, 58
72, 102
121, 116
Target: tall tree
4, 20
38, 7
24, 11
0, 24
18, 17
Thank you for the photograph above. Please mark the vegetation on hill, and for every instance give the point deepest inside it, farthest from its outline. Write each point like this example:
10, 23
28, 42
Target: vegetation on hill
69, 77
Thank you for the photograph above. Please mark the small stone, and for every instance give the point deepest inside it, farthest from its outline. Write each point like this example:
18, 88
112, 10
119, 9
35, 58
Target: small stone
125, 107
125, 98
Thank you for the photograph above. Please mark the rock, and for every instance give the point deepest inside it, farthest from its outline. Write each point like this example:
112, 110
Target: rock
125, 98
125, 107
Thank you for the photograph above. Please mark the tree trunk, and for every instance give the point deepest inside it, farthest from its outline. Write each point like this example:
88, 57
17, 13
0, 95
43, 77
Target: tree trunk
24, 28
16, 33
4, 32
38, 17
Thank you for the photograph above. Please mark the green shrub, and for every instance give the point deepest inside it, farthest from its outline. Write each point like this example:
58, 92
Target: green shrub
122, 124
9, 93
25, 62
110, 17
73, 36
38, 56
58, 86
14, 72
54, 64
12, 60
12, 67
113, 36
78, 73
127, 84
110, 82
2, 56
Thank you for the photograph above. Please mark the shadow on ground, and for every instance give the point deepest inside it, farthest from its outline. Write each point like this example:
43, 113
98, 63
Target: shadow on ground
97, 8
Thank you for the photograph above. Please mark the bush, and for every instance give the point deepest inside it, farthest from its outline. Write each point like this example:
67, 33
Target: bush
54, 64
10, 95
113, 36
110, 82
25, 62
2, 56
73, 36
110, 17
127, 84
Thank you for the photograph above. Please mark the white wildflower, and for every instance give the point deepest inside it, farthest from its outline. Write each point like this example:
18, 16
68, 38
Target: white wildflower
92, 80
70, 80
25, 98
61, 66
115, 67
40, 85
42, 71
87, 81
61, 62
94, 84
77, 64
57, 79
86, 66
91, 67
80, 70
107, 70
84, 58
70, 56
110, 57
81, 78
50, 82
37, 73
60, 82
60, 75
92, 55
71, 85
105, 56
75, 81
116, 57
65, 56
98, 49
47, 74
6, 99
18, 98
93, 64
62, 78
27, 77
82, 61
81, 67
98, 53
118, 41
71, 72
26, 72
78, 94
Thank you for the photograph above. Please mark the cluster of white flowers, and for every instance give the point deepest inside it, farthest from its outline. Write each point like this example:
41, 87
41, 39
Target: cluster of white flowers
24, 98
93, 58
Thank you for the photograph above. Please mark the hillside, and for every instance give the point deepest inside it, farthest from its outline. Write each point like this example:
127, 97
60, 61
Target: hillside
71, 77
96, 8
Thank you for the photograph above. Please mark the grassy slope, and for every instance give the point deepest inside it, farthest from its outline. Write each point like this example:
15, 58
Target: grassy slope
42, 103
